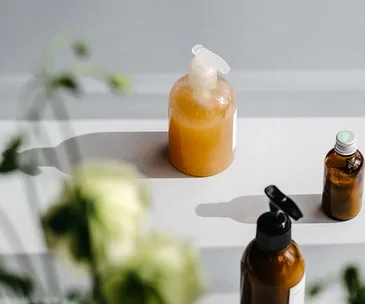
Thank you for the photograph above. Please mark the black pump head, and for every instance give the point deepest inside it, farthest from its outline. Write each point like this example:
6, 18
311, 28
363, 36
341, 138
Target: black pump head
274, 227
279, 201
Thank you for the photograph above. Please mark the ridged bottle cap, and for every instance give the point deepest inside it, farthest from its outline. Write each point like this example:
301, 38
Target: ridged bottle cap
345, 143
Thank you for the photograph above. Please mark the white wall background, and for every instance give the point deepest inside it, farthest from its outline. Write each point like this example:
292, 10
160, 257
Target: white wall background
153, 37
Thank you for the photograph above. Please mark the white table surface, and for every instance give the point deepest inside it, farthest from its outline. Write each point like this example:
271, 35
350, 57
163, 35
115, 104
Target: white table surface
286, 152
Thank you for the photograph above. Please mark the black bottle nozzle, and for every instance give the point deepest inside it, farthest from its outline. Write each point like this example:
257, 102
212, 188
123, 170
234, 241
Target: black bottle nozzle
279, 201
274, 227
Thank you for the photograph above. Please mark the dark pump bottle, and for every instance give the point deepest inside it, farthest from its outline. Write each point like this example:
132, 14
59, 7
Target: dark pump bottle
272, 266
343, 178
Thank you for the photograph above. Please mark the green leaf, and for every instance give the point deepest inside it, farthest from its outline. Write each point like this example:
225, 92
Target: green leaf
351, 280
15, 143
81, 49
83, 208
134, 289
18, 284
66, 81
153, 291
358, 297
59, 220
8, 165
80, 245
315, 289
70, 219
10, 161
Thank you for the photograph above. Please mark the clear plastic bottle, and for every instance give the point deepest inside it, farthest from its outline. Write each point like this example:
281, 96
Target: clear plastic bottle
343, 178
202, 117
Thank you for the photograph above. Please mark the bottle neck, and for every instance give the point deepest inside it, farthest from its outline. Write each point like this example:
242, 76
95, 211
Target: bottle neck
202, 77
345, 150
273, 232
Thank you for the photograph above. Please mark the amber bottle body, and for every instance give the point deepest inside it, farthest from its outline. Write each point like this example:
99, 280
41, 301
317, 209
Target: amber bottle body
202, 124
272, 277
343, 185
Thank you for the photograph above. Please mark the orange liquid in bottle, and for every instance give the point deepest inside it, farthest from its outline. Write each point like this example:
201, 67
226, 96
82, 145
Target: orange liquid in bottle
201, 127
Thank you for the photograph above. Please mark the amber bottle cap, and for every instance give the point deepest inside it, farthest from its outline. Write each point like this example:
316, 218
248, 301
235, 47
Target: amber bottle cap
345, 142
273, 231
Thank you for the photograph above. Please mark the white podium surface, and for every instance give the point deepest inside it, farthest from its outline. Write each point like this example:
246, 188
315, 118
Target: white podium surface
219, 212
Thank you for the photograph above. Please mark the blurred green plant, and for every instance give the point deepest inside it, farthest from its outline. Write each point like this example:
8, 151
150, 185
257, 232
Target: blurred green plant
350, 280
162, 271
117, 203
97, 220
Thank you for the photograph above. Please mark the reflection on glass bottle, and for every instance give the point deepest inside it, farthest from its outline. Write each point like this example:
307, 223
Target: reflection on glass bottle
343, 178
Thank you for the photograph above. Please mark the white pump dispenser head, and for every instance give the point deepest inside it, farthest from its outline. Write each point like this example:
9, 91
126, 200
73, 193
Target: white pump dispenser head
203, 68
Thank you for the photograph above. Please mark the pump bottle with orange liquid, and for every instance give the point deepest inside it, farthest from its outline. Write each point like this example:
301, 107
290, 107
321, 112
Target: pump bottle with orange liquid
202, 117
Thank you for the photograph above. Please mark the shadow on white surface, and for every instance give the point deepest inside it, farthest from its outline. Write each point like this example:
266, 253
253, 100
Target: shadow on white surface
146, 150
247, 209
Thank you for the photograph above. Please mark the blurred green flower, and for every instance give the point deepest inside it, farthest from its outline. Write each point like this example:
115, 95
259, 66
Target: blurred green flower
81, 49
116, 201
163, 271
118, 83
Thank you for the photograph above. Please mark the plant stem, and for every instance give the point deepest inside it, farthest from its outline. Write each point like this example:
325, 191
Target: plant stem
72, 150
49, 267
96, 288
54, 160
27, 94
16, 241
61, 113
56, 45
82, 70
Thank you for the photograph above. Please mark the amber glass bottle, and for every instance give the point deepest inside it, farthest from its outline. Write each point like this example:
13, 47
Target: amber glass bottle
202, 117
343, 178
272, 266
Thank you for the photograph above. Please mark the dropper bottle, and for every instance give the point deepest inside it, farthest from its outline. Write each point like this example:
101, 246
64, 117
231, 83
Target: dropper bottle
272, 266
202, 117
343, 178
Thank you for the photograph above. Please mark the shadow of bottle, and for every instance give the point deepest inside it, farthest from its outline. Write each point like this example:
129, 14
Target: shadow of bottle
222, 264
247, 209
146, 150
